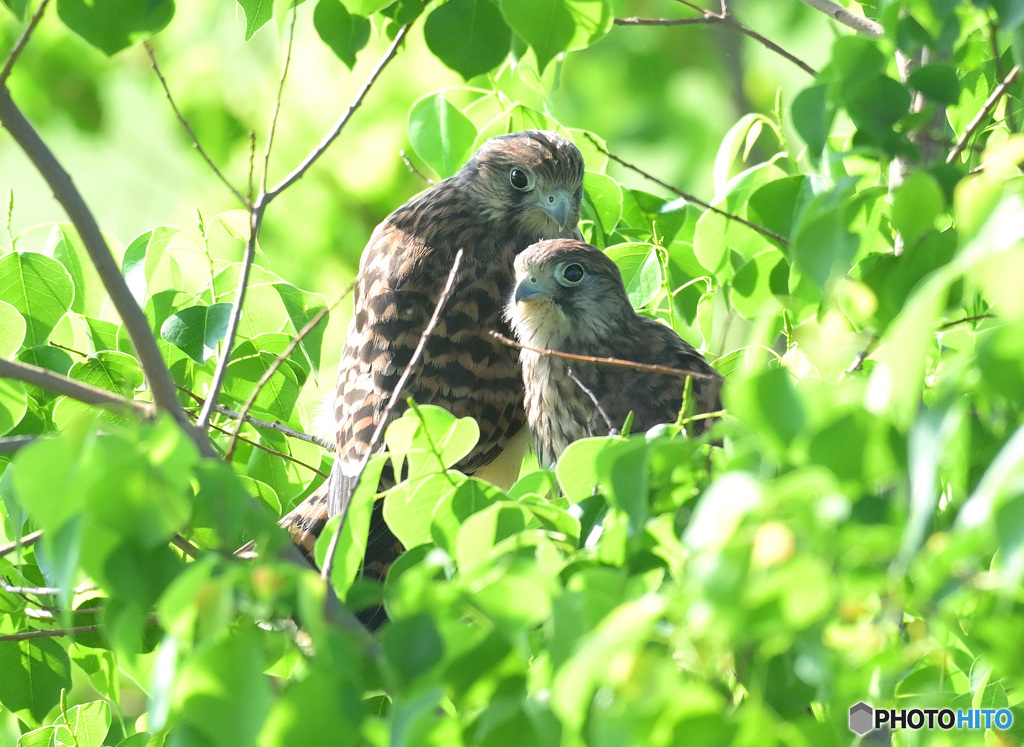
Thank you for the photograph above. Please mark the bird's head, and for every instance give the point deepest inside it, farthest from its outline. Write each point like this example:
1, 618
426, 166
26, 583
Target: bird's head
566, 291
531, 181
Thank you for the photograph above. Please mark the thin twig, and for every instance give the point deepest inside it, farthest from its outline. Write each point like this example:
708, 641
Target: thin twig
412, 167
966, 320
272, 369
858, 360
55, 633
687, 196
220, 372
276, 425
650, 367
277, 102
593, 398
77, 390
382, 422
303, 167
847, 17
268, 450
185, 546
990, 104
27, 541
188, 128
13, 444
20, 44
726, 20
161, 384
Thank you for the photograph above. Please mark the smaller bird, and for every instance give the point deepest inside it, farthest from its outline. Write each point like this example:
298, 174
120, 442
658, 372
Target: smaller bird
569, 297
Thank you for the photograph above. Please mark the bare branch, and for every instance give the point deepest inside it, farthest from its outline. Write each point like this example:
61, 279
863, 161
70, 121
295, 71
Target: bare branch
19, 45
55, 633
277, 103
687, 196
275, 425
332, 548
268, 450
78, 390
13, 444
255, 220
185, 546
306, 329
412, 167
966, 320
160, 383
27, 541
303, 167
593, 398
651, 367
724, 19
188, 128
847, 17
986, 109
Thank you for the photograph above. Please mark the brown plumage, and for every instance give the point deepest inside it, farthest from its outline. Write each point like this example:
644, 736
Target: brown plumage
517, 189
569, 297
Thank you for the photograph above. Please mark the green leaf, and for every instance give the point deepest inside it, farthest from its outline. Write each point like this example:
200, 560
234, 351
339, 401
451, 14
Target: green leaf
937, 82
35, 672
257, 13
916, 204
769, 402
278, 395
366, 7
39, 288
197, 330
302, 307
812, 118
753, 291
430, 438
546, 25
485, 529
409, 508
143, 256
90, 295
12, 330
343, 32
13, 404
641, 271
111, 370
605, 197
469, 36
113, 25
440, 134
17, 7
88, 723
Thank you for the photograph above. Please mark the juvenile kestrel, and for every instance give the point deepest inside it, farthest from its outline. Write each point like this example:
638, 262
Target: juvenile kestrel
569, 297
516, 190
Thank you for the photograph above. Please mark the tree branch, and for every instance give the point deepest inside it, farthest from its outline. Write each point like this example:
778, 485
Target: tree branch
651, 367
55, 633
160, 383
687, 196
78, 390
332, 548
188, 129
986, 109
724, 19
847, 17
19, 45
13, 444
27, 541
277, 104
303, 167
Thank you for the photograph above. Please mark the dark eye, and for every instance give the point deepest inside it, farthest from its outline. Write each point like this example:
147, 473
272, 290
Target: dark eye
573, 273
519, 179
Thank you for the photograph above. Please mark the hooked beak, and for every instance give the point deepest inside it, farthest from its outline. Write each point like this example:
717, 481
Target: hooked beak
528, 288
556, 205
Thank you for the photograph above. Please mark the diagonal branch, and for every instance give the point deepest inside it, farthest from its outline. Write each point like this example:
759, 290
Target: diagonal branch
330, 137
160, 383
188, 129
22, 41
650, 367
277, 105
272, 369
847, 17
723, 19
687, 196
986, 109
332, 548
78, 390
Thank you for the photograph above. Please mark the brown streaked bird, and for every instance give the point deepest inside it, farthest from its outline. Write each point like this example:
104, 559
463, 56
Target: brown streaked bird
569, 297
516, 190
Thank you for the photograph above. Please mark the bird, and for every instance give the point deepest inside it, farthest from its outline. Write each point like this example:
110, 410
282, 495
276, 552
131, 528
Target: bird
515, 190
569, 297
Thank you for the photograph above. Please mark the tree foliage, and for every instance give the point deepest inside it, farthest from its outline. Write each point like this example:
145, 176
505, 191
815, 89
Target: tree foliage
852, 529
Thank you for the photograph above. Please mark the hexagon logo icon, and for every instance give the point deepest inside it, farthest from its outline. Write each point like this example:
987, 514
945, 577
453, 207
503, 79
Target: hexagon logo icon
861, 718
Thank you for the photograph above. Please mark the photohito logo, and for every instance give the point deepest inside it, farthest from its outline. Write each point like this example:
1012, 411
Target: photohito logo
864, 718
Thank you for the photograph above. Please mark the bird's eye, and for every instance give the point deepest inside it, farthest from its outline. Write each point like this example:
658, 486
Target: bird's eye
572, 274
519, 179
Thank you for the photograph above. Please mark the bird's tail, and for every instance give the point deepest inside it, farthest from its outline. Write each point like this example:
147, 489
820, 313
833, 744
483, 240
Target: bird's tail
305, 523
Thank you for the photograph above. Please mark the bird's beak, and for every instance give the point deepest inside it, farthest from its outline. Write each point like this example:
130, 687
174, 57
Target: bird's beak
528, 288
556, 204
